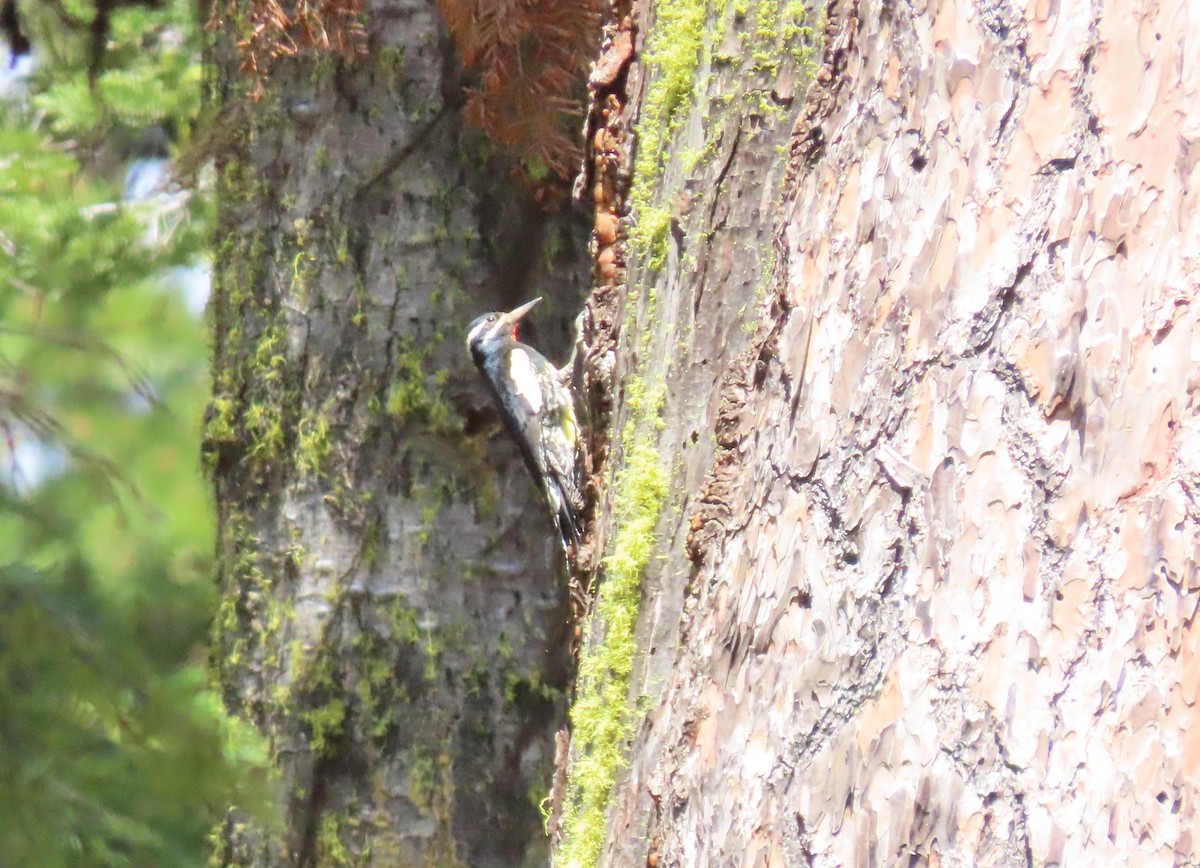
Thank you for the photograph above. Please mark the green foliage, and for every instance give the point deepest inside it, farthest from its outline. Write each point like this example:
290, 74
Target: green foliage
114, 752
149, 72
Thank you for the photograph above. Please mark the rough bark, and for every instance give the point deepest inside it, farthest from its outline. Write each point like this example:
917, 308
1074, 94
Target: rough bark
931, 594
712, 94
393, 610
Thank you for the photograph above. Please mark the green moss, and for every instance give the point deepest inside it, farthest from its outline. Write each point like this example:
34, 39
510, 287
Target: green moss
371, 538
671, 58
376, 693
431, 790
331, 850
683, 41
325, 724
244, 588
603, 716
322, 70
423, 782
305, 262
779, 33
317, 690
487, 502
240, 184
504, 646
296, 552
404, 623
517, 687
264, 425
312, 444
321, 161
406, 627
268, 353
432, 652
429, 513
417, 396
389, 61
220, 426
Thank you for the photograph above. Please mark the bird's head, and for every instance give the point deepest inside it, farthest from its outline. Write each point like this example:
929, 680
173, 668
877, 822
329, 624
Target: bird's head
490, 326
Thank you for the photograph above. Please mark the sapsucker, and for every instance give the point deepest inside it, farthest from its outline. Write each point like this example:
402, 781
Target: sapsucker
538, 411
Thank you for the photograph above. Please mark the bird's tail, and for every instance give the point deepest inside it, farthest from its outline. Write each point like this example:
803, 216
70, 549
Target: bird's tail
568, 528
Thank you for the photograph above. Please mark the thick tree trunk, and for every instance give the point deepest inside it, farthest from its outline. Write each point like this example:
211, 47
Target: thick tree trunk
931, 593
394, 614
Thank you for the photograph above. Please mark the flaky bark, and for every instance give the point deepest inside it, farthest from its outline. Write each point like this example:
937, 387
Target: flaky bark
393, 613
942, 582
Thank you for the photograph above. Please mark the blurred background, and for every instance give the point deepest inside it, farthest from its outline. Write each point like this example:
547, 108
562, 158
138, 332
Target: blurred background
113, 751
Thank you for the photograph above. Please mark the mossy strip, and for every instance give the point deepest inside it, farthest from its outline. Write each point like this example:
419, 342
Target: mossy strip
672, 57
604, 715
685, 40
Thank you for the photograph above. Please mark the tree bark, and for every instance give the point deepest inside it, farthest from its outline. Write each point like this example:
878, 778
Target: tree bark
393, 612
930, 594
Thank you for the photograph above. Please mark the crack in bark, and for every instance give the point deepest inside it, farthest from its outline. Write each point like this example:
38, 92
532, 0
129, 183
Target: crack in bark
401, 156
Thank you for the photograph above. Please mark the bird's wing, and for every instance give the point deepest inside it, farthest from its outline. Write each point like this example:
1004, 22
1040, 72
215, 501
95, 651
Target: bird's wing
541, 419
558, 434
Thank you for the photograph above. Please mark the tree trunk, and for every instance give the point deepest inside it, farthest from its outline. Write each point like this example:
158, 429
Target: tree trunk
394, 614
930, 592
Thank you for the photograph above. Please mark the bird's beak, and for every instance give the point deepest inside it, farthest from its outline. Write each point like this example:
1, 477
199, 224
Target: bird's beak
510, 320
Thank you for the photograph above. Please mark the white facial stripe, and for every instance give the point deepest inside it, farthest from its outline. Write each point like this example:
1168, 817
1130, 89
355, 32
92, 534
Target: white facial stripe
525, 379
477, 331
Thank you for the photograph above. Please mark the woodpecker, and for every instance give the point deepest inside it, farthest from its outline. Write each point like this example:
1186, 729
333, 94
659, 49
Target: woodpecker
537, 409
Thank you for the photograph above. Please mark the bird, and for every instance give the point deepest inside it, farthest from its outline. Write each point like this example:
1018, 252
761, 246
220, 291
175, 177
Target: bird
538, 410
